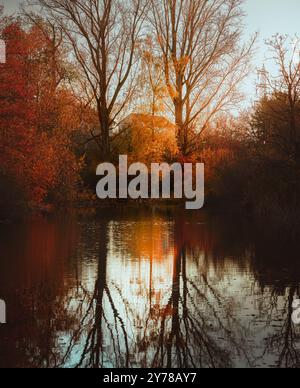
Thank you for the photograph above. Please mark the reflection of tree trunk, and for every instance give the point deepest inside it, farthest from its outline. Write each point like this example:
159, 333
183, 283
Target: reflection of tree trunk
150, 282
184, 281
189, 337
99, 293
101, 290
175, 309
289, 356
93, 348
151, 268
283, 342
179, 269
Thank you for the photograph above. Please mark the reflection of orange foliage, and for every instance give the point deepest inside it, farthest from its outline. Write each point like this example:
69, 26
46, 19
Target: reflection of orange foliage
153, 250
160, 310
167, 312
152, 240
43, 251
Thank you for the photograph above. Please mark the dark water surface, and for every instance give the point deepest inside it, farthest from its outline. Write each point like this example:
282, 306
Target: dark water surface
146, 290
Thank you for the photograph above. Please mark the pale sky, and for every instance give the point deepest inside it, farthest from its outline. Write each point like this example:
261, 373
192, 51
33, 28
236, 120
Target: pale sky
264, 16
269, 17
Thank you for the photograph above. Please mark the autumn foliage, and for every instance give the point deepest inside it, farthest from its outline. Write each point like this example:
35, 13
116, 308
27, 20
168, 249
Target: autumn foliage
35, 154
148, 139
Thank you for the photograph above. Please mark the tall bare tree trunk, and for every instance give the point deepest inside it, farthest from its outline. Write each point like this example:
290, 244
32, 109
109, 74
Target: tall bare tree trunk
104, 36
204, 61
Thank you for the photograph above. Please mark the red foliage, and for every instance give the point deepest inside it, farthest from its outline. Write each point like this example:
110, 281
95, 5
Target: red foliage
29, 152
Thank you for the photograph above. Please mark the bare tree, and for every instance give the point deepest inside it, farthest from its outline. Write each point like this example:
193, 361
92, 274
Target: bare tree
204, 61
283, 95
152, 91
104, 35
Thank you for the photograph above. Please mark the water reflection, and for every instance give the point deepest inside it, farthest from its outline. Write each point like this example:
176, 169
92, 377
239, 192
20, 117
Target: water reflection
146, 290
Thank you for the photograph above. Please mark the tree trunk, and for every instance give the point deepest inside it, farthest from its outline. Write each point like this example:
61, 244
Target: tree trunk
182, 133
104, 121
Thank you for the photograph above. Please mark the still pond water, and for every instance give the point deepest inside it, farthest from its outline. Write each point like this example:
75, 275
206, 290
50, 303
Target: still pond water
151, 289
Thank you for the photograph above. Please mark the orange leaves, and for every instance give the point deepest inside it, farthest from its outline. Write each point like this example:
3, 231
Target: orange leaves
150, 138
36, 119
